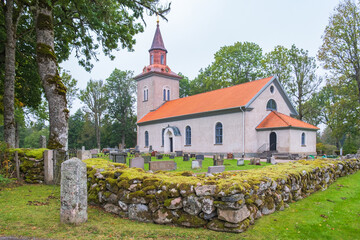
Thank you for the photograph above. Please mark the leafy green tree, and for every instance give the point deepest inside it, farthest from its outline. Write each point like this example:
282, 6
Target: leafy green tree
340, 51
71, 89
184, 85
84, 26
121, 89
239, 63
276, 63
95, 99
76, 128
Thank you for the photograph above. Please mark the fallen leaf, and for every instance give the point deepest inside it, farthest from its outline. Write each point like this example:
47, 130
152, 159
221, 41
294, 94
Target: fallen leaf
323, 216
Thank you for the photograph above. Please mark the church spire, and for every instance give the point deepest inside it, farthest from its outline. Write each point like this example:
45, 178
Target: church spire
158, 43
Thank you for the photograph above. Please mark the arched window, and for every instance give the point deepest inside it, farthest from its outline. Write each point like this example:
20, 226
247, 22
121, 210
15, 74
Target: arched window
162, 136
218, 133
188, 135
272, 89
164, 94
152, 59
146, 94
271, 105
168, 95
146, 139
303, 139
162, 59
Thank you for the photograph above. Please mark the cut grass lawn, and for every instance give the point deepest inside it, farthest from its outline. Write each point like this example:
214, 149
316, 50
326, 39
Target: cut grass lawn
332, 214
230, 164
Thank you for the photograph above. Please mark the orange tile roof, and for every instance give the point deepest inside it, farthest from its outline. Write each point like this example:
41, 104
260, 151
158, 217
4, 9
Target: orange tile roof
279, 120
225, 98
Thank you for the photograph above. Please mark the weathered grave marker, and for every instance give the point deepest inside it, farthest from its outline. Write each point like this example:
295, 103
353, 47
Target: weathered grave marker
192, 155
48, 167
159, 156
73, 192
273, 161
162, 165
240, 162
83, 154
120, 158
42, 141
147, 159
172, 156
179, 153
137, 162
196, 164
257, 161
230, 156
186, 157
199, 157
216, 169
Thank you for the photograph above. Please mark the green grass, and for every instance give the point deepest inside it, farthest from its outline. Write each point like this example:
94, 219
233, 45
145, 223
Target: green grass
230, 164
331, 214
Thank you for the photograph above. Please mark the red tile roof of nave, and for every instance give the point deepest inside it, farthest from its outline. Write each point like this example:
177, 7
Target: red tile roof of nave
225, 98
279, 120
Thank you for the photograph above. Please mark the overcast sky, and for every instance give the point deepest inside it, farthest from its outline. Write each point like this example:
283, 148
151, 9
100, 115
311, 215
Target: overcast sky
196, 29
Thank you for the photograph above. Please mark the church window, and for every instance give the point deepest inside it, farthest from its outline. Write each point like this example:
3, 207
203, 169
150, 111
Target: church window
271, 105
164, 94
146, 139
218, 133
303, 139
162, 136
272, 89
188, 135
152, 59
146, 94
162, 59
168, 95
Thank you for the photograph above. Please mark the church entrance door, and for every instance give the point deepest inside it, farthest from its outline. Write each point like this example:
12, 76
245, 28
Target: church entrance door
171, 144
272, 141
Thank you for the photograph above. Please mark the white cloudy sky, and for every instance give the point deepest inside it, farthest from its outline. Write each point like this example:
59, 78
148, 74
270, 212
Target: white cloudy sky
196, 29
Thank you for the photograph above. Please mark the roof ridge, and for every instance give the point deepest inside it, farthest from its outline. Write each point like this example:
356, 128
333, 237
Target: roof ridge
279, 115
223, 88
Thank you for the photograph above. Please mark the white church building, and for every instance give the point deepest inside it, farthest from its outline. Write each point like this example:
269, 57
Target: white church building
247, 119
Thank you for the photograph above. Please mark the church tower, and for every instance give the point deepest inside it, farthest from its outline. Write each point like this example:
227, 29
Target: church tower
157, 83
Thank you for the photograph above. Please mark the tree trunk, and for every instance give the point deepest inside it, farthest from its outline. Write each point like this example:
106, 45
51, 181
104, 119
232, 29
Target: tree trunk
17, 135
55, 91
97, 129
123, 140
9, 82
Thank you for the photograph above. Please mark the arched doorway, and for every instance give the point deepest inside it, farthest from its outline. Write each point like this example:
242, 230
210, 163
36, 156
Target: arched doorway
272, 141
168, 141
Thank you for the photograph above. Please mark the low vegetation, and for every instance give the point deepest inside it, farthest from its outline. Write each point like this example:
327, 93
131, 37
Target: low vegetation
33, 211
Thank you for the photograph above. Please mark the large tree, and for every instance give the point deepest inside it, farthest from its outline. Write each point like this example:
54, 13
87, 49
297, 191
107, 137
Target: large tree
276, 63
84, 26
340, 52
95, 99
121, 89
239, 63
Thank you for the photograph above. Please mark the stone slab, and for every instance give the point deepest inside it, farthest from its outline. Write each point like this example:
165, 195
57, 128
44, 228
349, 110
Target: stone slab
162, 165
196, 164
216, 169
199, 157
83, 154
147, 159
137, 162
119, 158
48, 167
73, 192
240, 162
186, 157
179, 153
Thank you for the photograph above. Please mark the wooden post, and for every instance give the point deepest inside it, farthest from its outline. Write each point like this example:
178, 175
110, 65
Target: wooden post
17, 165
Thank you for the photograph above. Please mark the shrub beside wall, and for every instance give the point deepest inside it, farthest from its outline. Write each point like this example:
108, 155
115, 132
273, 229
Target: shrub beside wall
229, 201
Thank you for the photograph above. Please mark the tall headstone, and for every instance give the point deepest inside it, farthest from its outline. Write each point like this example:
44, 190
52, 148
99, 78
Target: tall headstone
73, 192
43, 141
48, 167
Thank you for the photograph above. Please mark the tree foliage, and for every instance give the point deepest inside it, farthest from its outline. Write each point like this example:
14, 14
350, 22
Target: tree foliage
340, 51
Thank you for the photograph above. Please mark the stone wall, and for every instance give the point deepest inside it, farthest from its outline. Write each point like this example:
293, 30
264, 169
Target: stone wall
228, 201
31, 164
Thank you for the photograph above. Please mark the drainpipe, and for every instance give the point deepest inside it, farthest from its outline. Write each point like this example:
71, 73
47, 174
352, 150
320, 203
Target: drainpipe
243, 131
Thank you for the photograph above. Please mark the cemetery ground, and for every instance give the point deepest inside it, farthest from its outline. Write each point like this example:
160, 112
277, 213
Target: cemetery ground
33, 211
230, 164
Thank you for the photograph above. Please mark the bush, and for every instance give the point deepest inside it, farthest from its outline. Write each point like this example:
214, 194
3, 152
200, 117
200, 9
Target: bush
325, 149
4, 180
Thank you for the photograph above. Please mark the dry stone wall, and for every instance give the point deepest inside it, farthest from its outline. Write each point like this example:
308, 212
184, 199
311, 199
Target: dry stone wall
228, 201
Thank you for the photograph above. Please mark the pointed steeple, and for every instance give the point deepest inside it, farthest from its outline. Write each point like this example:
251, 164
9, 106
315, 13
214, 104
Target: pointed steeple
158, 43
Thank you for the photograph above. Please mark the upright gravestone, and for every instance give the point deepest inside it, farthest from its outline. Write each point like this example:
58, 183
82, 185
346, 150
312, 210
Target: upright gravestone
195, 164
73, 192
192, 155
172, 156
186, 157
240, 162
43, 141
48, 167
273, 161
147, 159
179, 153
199, 157
119, 158
137, 162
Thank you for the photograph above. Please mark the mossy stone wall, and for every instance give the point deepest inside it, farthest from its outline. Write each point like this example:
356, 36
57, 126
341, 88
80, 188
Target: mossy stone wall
31, 163
228, 201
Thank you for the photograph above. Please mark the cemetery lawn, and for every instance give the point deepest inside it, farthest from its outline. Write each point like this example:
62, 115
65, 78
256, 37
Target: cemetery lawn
230, 164
28, 211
